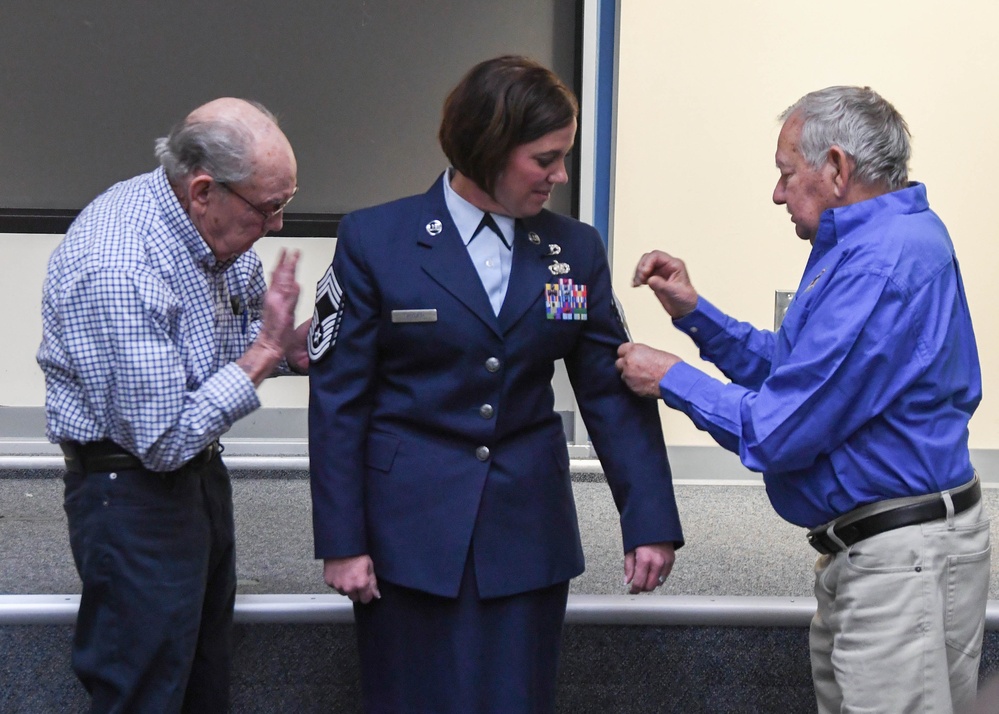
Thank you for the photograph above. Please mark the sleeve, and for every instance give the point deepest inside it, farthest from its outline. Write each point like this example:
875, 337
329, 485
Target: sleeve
343, 353
130, 319
625, 429
857, 350
742, 352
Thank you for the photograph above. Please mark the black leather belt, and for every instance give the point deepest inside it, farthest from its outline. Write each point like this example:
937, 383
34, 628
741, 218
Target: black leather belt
851, 532
99, 456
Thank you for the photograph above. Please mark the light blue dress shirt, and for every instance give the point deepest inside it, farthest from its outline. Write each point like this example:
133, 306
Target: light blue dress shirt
488, 254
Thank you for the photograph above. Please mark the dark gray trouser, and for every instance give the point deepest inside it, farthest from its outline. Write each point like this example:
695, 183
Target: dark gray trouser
156, 556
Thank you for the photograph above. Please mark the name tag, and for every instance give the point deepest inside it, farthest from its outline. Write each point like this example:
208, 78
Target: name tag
414, 315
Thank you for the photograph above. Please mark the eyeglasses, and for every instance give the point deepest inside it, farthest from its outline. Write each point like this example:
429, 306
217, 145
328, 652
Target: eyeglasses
267, 214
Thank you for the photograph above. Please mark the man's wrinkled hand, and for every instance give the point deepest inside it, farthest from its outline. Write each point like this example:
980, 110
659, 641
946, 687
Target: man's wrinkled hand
642, 367
278, 317
668, 278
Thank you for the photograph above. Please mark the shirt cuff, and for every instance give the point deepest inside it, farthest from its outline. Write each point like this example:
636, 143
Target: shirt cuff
703, 323
680, 383
232, 391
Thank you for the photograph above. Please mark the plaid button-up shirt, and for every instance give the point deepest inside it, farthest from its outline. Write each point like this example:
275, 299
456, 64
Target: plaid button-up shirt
141, 326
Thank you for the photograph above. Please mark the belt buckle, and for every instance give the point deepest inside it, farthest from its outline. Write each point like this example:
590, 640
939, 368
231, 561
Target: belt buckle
207, 454
819, 541
825, 540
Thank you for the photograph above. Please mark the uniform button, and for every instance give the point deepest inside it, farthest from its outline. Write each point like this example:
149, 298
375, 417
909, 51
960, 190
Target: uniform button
492, 364
486, 411
693, 330
482, 453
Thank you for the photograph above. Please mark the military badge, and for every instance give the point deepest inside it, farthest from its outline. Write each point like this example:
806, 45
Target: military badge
565, 300
326, 317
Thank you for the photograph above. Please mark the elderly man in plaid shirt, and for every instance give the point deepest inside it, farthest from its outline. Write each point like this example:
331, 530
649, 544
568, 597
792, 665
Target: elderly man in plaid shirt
157, 328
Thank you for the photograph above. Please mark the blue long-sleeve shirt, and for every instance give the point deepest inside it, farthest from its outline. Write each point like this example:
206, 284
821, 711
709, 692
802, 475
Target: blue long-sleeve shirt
866, 390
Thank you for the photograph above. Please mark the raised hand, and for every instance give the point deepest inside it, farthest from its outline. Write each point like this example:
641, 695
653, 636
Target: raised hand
668, 278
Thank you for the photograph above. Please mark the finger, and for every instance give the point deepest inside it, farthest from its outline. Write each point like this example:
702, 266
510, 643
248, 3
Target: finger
649, 266
372, 585
369, 592
280, 272
665, 570
629, 566
657, 282
286, 265
642, 270
281, 261
640, 583
653, 559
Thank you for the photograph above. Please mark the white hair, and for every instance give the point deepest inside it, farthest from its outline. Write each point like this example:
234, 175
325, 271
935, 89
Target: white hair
860, 122
222, 148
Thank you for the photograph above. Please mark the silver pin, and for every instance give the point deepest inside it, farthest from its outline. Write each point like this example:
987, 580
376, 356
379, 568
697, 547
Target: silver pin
558, 268
554, 249
534, 238
434, 227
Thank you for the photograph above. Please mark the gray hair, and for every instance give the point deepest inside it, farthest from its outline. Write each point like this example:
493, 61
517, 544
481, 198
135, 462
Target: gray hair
863, 124
222, 148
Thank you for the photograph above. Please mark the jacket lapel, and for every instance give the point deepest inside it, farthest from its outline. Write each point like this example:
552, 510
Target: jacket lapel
527, 276
446, 260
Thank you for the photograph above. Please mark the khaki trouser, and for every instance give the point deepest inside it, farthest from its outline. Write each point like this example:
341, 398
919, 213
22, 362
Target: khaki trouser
900, 619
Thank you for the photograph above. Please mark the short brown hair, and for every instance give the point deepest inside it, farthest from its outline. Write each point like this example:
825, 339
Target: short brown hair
498, 105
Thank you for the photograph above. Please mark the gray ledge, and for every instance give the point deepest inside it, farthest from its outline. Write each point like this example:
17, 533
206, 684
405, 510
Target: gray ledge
692, 610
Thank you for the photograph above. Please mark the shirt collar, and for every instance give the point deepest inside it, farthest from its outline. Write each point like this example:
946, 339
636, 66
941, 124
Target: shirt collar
180, 225
838, 224
467, 216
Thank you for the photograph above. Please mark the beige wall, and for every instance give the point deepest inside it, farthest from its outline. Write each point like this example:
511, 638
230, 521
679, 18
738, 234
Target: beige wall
699, 89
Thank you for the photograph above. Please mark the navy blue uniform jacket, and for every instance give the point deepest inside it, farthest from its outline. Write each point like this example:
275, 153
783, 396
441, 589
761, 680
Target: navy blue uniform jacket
400, 410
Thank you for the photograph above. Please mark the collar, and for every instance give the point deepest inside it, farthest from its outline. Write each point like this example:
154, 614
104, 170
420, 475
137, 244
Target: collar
180, 225
838, 224
466, 216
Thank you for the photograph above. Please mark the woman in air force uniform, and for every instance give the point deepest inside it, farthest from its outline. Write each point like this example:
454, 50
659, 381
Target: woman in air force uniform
442, 502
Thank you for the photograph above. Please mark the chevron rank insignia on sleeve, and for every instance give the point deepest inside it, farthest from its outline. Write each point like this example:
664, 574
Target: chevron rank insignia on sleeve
326, 317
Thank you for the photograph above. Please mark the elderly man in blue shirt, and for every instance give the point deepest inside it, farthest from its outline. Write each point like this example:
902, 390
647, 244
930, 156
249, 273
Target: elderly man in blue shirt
856, 410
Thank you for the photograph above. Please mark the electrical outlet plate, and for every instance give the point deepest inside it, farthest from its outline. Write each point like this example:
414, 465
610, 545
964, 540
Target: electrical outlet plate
782, 301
